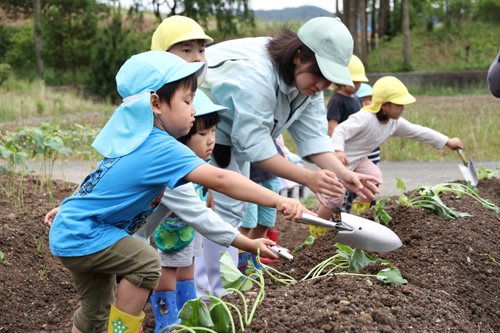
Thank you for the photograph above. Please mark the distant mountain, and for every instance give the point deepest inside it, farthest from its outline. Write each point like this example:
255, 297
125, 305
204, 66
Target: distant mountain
297, 13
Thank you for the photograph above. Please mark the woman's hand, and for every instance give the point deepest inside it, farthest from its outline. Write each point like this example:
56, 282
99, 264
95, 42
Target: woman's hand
49, 218
363, 185
292, 208
342, 157
323, 182
455, 143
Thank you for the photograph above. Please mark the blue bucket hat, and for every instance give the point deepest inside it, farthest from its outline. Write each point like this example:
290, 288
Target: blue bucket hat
132, 122
364, 90
204, 105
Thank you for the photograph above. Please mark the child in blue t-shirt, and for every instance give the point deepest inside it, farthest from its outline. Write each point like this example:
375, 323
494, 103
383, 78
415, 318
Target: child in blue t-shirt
91, 231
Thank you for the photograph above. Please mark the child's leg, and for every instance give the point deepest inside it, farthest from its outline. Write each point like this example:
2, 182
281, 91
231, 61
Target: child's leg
184, 288
94, 278
368, 168
266, 216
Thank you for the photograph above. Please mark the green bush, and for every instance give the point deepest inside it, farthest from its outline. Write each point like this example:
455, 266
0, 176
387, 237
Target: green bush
21, 54
5, 72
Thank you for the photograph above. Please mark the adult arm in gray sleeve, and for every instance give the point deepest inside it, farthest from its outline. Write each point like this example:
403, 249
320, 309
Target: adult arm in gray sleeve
494, 77
188, 206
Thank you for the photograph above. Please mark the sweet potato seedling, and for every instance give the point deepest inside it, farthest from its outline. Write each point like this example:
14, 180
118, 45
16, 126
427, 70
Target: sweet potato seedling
42, 273
2, 261
380, 213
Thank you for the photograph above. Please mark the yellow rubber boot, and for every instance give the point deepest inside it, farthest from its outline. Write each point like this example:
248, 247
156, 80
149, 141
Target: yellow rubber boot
316, 231
121, 322
359, 207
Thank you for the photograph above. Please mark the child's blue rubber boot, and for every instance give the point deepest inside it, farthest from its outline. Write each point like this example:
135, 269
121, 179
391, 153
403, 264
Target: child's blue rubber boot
164, 308
184, 291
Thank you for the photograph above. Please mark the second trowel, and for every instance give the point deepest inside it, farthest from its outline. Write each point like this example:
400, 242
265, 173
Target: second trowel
467, 169
358, 232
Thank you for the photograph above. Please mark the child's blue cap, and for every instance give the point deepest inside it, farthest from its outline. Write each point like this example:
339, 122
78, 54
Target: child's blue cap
364, 90
204, 105
133, 121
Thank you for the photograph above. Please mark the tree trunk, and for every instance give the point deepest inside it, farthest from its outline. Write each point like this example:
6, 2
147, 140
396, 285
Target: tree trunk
353, 26
364, 40
38, 37
346, 13
405, 15
382, 19
337, 11
374, 26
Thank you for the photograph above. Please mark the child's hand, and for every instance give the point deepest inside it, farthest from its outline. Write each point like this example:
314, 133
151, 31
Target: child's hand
455, 143
261, 244
210, 200
49, 218
342, 157
292, 208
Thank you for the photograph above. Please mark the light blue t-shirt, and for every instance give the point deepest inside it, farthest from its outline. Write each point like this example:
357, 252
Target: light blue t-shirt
118, 198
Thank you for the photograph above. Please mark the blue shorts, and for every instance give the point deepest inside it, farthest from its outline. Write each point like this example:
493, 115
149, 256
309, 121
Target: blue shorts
262, 215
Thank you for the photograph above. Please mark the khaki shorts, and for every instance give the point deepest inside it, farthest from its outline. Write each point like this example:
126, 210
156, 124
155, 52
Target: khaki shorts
95, 278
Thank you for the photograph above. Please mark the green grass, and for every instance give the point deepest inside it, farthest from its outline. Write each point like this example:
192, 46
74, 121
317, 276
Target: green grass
443, 49
27, 102
474, 119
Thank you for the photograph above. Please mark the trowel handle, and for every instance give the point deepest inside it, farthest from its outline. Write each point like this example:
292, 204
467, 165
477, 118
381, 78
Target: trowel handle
462, 156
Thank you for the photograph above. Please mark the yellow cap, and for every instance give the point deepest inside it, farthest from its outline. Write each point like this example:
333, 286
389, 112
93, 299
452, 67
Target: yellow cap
357, 70
176, 29
389, 89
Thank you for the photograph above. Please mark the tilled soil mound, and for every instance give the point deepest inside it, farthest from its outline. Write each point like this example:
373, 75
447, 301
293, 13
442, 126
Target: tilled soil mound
450, 265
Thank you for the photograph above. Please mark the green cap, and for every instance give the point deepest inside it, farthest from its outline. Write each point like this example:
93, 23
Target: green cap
332, 44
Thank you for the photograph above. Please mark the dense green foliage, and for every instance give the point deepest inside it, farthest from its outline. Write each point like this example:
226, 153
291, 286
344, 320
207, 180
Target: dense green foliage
111, 48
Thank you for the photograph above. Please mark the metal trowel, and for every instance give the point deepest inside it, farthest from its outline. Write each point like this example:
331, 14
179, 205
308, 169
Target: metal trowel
358, 232
467, 169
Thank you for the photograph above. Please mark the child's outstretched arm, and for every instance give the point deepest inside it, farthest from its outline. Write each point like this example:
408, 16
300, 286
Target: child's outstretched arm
241, 188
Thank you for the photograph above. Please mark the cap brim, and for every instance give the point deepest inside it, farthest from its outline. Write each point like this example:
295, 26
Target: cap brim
210, 109
192, 36
188, 69
403, 100
359, 78
334, 72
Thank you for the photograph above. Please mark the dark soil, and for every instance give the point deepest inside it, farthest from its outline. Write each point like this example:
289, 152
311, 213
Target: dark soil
453, 279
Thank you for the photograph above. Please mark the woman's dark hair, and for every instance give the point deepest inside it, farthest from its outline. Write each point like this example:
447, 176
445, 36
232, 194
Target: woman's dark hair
167, 92
201, 123
282, 50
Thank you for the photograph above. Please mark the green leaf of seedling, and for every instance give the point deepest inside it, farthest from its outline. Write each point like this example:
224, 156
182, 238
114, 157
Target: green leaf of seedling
344, 251
391, 275
309, 240
219, 315
231, 276
195, 313
359, 260
380, 213
400, 185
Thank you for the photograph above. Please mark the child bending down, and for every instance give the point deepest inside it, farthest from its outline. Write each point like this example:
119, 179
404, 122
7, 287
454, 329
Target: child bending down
367, 129
91, 231
178, 213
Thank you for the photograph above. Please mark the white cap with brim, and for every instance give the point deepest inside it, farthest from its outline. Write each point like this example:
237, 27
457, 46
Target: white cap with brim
332, 44
204, 105
133, 121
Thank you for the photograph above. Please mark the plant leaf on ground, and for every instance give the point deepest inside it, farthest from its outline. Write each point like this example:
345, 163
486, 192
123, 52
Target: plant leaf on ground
309, 240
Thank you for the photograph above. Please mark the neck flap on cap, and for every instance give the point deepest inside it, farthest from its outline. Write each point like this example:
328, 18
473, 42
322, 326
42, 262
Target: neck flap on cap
133, 121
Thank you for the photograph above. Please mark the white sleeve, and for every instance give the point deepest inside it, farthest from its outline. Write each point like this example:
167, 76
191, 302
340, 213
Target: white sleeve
407, 130
188, 206
347, 129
